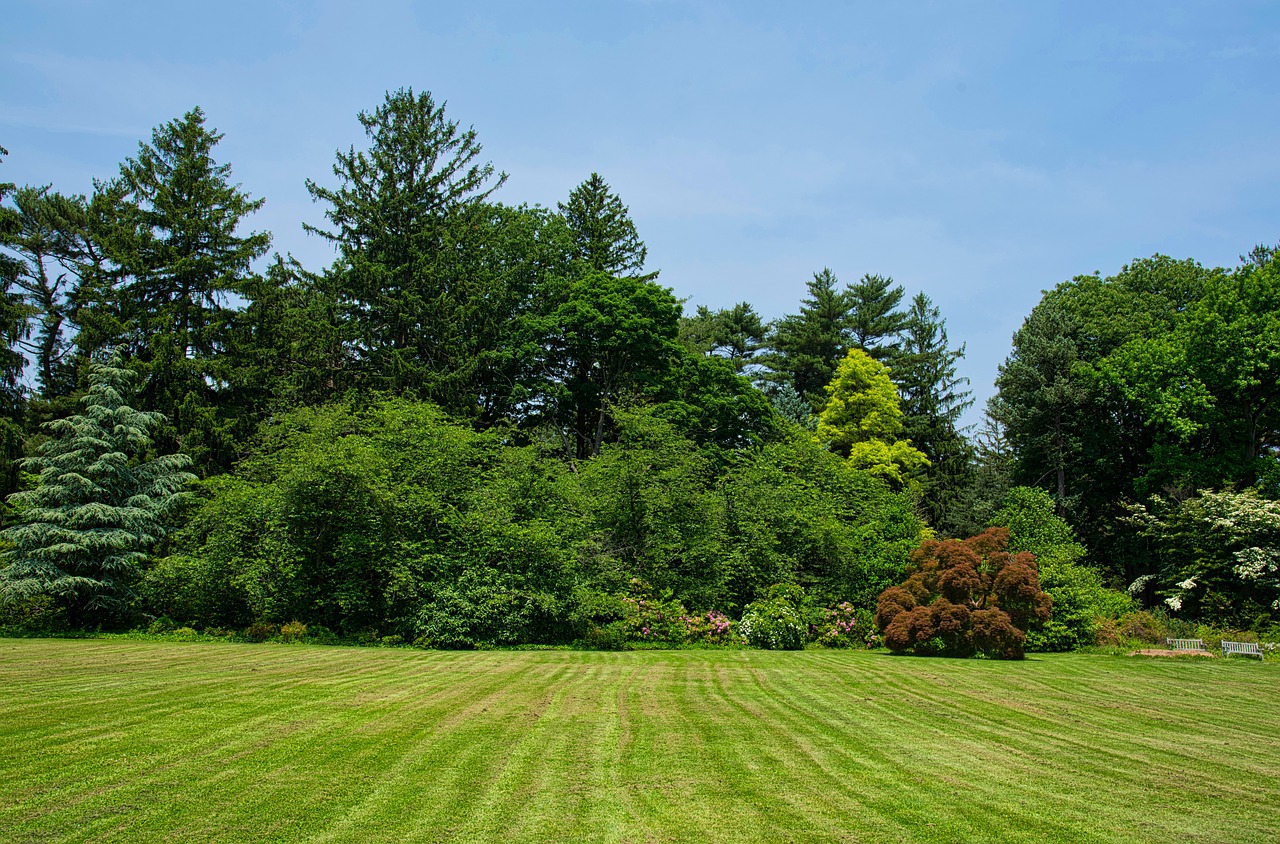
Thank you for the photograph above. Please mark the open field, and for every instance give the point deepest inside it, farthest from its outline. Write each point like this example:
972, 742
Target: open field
141, 741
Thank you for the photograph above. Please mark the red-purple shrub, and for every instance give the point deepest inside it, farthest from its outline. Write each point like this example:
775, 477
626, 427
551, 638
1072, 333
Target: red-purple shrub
964, 597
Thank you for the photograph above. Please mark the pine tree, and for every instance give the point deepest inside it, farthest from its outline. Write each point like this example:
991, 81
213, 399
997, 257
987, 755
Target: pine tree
808, 346
874, 318
96, 510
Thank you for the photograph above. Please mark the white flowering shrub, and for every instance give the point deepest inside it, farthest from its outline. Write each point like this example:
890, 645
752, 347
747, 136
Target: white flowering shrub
1219, 554
774, 625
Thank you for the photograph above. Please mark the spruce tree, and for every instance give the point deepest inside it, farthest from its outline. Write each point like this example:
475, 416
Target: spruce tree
410, 222
604, 236
933, 400
97, 509
169, 226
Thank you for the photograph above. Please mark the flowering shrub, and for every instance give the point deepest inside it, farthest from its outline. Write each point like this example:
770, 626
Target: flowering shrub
845, 626
777, 623
615, 622
714, 628
652, 618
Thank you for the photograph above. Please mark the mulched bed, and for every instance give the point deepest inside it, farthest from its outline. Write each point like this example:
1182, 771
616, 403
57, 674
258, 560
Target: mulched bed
1168, 652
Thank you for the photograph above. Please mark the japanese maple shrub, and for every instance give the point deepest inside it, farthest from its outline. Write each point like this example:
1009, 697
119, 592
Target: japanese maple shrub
964, 597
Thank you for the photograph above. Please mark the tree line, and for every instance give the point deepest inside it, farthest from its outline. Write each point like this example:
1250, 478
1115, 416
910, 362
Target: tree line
486, 423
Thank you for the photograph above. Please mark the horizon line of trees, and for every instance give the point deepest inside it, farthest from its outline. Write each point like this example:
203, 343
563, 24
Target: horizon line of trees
1129, 399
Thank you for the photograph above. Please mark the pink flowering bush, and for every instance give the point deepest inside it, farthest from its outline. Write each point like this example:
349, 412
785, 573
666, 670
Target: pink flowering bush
645, 617
845, 626
713, 628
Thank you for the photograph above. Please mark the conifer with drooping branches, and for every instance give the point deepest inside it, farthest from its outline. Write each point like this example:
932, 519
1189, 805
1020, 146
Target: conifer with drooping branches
97, 507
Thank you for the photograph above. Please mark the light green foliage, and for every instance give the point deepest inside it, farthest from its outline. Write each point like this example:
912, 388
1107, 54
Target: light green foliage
1081, 600
96, 509
357, 745
863, 417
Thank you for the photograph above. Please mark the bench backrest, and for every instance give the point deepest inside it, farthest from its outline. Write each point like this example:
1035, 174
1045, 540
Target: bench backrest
1185, 644
1250, 648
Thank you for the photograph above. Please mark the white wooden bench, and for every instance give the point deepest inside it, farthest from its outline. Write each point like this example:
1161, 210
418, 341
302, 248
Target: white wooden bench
1185, 644
1242, 648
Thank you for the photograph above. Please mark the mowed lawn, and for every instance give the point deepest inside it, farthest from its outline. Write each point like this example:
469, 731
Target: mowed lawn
112, 740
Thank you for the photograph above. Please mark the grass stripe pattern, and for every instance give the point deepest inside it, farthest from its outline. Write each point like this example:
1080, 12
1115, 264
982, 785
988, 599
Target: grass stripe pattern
116, 740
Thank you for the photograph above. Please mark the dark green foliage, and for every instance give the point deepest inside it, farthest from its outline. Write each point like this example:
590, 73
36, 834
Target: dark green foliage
933, 400
807, 346
50, 238
611, 337
964, 597
604, 237
391, 517
874, 318
168, 228
795, 512
715, 407
408, 220
96, 510
14, 317
1070, 423
478, 608
735, 333
1218, 556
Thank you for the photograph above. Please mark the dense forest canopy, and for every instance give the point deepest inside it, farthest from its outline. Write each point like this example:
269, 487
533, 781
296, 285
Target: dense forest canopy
486, 423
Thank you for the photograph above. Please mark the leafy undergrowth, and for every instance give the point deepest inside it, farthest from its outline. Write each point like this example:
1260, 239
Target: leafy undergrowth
118, 740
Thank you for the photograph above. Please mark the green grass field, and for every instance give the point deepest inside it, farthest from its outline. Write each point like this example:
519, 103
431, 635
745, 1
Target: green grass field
146, 741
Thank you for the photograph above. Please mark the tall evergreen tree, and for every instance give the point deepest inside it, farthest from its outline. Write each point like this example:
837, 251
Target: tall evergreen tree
408, 220
806, 347
96, 509
13, 327
51, 240
169, 226
933, 399
874, 318
735, 333
604, 236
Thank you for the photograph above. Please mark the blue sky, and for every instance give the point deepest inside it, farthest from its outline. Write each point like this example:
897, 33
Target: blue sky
980, 152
